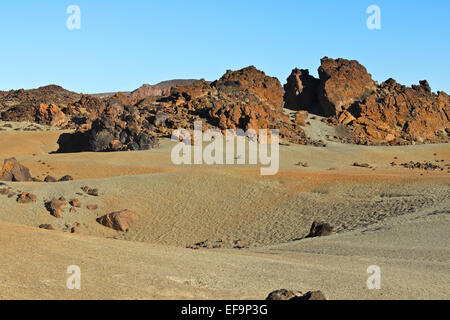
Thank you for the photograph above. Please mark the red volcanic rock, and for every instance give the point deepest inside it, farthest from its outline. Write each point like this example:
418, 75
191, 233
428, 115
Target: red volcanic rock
342, 82
389, 113
247, 99
50, 115
301, 91
88, 106
33, 105
250, 79
394, 114
243, 99
120, 221
13, 171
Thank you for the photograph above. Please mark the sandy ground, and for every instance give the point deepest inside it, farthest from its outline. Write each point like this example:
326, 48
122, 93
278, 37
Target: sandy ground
393, 217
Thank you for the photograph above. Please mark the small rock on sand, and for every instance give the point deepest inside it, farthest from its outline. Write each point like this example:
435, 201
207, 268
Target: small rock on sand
120, 221
320, 229
284, 294
26, 197
56, 207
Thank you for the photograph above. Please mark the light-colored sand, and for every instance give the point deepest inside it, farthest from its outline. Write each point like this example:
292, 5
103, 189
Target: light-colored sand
413, 254
394, 217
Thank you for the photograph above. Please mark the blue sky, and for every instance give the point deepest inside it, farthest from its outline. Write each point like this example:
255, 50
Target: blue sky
123, 44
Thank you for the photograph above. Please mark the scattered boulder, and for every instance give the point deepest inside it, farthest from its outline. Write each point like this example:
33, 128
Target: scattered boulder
311, 295
284, 294
90, 191
320, 229
50, 179
93, 192
92, 207
66, 178
75, 203
361, 165
26, 197
120, 221
74, 230
46, 227
13, 171
56, 207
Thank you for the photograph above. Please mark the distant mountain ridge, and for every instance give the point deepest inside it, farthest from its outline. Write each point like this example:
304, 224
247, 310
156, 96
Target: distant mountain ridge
146, 90
161, 89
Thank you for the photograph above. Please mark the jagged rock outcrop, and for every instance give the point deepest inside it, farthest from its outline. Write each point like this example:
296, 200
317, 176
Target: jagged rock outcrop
342, 82
396, 114
388, 113
243, 99
254, 81
301, 91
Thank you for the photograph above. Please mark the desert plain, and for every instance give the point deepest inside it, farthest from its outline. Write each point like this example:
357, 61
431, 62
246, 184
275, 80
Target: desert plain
393, 217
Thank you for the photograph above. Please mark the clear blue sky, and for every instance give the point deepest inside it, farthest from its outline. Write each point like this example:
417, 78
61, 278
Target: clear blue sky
123, 44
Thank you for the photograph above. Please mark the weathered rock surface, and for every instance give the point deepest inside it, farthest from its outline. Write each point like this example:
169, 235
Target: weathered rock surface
120, 221
396, 114
342, 82
12, 170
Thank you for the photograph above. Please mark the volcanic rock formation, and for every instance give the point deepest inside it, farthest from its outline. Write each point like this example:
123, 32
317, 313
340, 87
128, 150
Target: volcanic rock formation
388, 113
